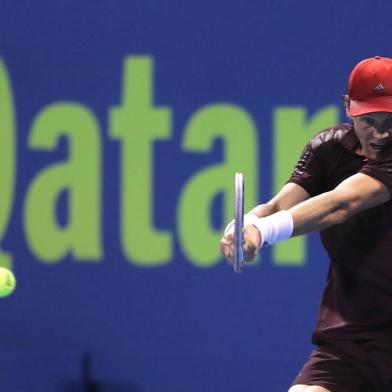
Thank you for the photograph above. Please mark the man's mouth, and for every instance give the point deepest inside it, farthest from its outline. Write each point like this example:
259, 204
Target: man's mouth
378, 146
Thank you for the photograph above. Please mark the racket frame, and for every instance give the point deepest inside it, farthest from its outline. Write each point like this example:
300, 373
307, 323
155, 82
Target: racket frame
238, 257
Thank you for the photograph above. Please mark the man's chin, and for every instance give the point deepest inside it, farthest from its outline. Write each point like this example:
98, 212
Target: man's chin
372, 154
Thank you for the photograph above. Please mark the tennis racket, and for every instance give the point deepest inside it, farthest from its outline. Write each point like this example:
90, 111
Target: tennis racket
239, 188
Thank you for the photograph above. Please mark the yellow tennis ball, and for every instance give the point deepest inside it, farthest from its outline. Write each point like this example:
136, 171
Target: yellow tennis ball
7, 282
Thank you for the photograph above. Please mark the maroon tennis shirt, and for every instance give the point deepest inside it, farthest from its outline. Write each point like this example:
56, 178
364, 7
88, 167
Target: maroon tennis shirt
357, 300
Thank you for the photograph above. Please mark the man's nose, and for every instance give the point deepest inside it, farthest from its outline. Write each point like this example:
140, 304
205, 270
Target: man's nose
383, 133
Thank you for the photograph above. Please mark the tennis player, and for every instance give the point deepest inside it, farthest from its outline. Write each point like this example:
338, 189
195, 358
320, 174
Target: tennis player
342, 186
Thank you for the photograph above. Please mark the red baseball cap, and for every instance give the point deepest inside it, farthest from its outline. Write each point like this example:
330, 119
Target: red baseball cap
370, 86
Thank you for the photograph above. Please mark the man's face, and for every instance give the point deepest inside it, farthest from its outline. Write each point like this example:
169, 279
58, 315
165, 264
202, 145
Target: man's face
374, 131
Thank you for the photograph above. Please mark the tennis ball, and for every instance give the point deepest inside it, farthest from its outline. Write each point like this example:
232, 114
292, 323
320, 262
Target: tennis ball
7, 282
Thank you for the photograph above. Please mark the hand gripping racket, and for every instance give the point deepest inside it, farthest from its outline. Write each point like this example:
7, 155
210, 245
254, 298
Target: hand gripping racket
239, 187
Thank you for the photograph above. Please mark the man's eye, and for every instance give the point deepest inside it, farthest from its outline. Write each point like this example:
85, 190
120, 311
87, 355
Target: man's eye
388, 123
369, 121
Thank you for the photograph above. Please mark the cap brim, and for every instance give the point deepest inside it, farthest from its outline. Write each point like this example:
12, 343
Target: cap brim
369, 105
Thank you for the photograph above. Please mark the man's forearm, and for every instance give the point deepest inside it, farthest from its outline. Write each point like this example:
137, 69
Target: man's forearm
289, 196
264, 210
319, 212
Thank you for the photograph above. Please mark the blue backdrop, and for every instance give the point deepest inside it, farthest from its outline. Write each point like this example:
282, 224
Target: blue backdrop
121, 126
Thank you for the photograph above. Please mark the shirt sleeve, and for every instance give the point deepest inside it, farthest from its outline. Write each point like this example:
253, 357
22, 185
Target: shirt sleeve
380, 169
309, 170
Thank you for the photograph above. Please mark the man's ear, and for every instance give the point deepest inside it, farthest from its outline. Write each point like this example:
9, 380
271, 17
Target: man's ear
346, 101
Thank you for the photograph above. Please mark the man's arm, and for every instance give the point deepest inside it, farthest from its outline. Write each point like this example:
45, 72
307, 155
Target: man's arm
355, 194
290, 195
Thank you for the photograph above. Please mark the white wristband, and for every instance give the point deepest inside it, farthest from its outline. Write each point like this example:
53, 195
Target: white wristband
274, 228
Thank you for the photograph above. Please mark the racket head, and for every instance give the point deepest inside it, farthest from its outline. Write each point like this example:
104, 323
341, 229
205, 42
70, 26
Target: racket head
239, 187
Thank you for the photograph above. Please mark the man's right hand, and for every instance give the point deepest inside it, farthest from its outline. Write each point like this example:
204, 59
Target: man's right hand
252, 243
